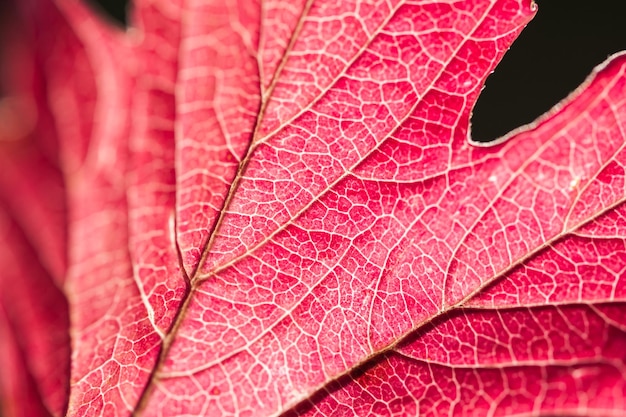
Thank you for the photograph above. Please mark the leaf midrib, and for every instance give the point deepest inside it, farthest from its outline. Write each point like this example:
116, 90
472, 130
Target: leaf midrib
196, 279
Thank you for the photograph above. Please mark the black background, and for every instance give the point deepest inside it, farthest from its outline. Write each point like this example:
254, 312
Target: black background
553, 56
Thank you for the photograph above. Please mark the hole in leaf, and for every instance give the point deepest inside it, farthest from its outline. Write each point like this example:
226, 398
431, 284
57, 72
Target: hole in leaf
553, 55
113, 9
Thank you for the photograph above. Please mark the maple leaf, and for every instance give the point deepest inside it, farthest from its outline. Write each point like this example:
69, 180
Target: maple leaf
244, 209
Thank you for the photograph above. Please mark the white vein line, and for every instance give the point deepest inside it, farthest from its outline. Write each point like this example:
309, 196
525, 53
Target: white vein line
514, 363
604, 165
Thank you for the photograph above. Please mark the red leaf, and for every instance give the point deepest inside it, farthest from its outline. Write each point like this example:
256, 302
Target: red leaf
275, 209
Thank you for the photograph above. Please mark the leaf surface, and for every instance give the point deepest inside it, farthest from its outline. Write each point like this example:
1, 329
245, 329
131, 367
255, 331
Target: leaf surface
276, 209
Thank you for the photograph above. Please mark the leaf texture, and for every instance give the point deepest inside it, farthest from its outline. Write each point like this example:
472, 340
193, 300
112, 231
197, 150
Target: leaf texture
277, 209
